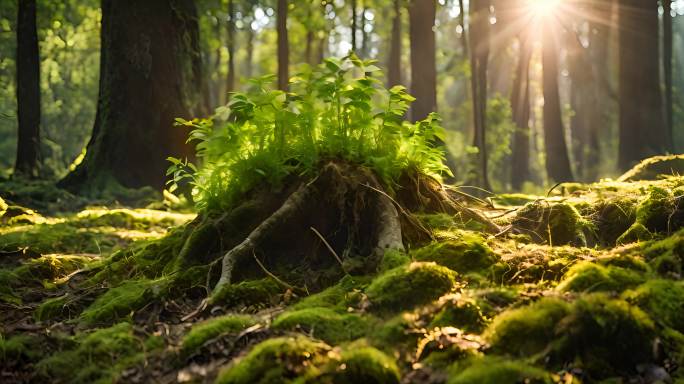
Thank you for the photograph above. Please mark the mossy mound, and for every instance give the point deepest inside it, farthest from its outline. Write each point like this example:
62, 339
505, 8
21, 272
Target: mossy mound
324, 324
654, 168
602, 336
346, 293
250, 293
358, 364
123, 300
213, 328
666, 256
468, 252
279, 360
19, 348
612, 218
662, 299
592, 277
499, 371
408, 286
100, 356
605, 337
54, 307
462, 313
513, 199
533, 263
552, 223
527, 330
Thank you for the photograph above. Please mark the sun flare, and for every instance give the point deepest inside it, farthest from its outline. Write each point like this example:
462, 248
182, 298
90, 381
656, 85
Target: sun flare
543, 8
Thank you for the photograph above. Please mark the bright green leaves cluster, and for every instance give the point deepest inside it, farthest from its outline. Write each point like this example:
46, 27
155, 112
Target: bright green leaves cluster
338, 110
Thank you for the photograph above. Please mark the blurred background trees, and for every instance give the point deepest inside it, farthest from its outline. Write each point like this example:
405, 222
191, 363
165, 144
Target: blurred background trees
531, 91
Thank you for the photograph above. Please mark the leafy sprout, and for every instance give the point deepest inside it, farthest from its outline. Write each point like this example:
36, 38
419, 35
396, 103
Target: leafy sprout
337, 110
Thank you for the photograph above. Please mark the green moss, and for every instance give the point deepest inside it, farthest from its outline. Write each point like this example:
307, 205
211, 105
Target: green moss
556, 224
461, 313
213, 328
513, 199
494, 300
52, 308
121, 301
604, 337
50, 267
323, 323
278, 360
467, 253
411, 285
637, 232
662, 299
613, 218
99, 356
143, 219
362, 364
393, 259
527, 330
346, 293
590, 277
3, 206
396, 331
655, 211
499, 371
256, 293
654, 168
20, 347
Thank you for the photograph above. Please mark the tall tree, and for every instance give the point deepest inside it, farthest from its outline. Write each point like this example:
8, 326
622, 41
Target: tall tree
28, 91
149, 75
643, 131
354, 20
557, 159
520, 105
423, 58
394, 64
479, 59
667, 65
230, 80
283, 46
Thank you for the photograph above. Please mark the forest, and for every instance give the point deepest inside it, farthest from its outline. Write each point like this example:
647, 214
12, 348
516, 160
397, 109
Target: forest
342, 191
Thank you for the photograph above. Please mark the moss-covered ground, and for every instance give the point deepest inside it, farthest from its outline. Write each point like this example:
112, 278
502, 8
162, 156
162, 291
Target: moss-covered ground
581, 286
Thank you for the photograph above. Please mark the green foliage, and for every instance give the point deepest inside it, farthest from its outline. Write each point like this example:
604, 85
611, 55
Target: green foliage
466, 252
590, 277
338, 110
213, 328
411, 285
497, 370
323, 323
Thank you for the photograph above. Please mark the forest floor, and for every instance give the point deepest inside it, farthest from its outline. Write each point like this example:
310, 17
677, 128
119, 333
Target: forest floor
581, 285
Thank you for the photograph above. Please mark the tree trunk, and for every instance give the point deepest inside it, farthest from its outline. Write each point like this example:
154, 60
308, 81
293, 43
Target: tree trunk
464, 35
149, 75
365, 36
423, 60
667, 65
250, 52
353, 25
28, 92
520, 105
230, 81
642, 130
394, 65
557, 160
283, 46
479, 58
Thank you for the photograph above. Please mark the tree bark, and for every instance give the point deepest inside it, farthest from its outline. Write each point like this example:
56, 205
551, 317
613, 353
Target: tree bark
230, 81
28, 92
557, 159
667, 65
283, 46
479, 58
394, 65
643, 131
353, 24
423, 60
149, 75
520, 105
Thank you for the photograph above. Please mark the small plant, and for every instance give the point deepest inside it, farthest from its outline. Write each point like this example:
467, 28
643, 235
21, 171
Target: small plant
337, 110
